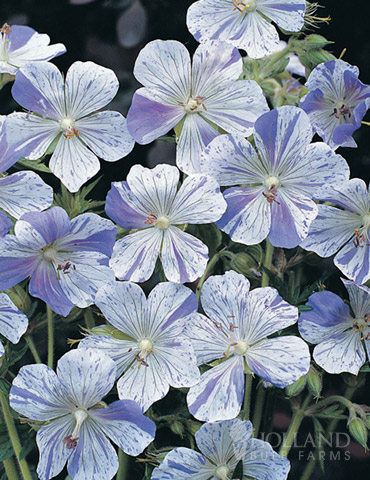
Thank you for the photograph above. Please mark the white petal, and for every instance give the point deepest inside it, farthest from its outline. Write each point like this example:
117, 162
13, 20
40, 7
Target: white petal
13, 322
258, 38
262, 463
288, 14
359, 297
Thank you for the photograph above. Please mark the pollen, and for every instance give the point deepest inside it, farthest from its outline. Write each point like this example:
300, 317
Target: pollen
245, 6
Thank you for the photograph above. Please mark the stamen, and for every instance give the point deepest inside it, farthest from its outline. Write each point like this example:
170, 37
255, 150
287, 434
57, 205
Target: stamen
242, 6
5, 29
194, 105
222, 472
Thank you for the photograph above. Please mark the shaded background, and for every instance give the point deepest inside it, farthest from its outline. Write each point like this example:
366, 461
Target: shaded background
111, 33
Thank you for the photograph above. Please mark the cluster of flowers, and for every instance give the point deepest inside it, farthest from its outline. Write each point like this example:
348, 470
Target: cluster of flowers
275, 183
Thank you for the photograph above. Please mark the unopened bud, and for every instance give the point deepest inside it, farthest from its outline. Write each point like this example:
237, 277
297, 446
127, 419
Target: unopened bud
366, 421
315, 41
358, 431
177, 428
245, 264
314, 382
296, 388
20, 298
193, 427
319, 56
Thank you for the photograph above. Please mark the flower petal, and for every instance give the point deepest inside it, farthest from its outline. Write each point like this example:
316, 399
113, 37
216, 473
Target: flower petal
219, 393
359, 297
106, 134
257, 37
288, 14
88, 88
183, 464
354, 262
262, 463
87, 375
122, 207
13, 322
135, 255
5, 224
16, 262
184, 257
280, 361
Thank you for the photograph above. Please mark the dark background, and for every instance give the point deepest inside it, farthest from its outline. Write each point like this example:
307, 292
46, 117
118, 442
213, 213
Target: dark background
89, 31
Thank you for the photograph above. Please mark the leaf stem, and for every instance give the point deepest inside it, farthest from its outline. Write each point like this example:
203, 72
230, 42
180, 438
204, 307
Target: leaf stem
209, 268
258, 409
13, 435
267, 263
124, 461
247, 396
297, 418
50, 336
10, 469
32, 347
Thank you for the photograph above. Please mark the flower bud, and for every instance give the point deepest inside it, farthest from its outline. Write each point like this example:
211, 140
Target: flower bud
314, 382
20, 298
177, 428
296, 388
358, 431
315, 41
245, 264
366, 421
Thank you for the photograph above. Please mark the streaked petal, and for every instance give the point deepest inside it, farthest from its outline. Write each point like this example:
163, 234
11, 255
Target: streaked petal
122, 207
288, 14
13, 322
354, 262
219, 394
257, 37
16, 262
359, 297
5, 224
106, 134
280, 361
87, 375
183, 464
262, 463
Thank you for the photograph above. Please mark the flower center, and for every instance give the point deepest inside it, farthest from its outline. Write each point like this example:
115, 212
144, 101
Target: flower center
342, 112
146, 348
361, 238
222, 472
245, 5
71, 440
194, 105
272, 183
162, 222
362, 325
240, 347
50, 254
67, 124
4, 42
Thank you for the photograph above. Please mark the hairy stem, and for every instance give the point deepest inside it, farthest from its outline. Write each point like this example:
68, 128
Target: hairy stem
258, 409
297, 418
267, 263
32, 347
50, 336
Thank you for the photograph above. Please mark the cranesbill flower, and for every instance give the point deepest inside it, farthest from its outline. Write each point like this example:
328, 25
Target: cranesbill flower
237, 333
13, 322
245, 23
20, 45
67, 260
336, 103
149, 201
204, 96
20, 192
66, 114
340, 336
279, 181
344, 228
222, 446
78, 424
147, 344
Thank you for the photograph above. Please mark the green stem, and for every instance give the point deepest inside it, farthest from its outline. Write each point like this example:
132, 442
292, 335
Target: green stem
297, 418
124, 462
89, 319
275, 58
247, 396
331, 427
13, 435
10, 469
258, 409
50, 336
33, 349
209, 268
267, 263
327, 401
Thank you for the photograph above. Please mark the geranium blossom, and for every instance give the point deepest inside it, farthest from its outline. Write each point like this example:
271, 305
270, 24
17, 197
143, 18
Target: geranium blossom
237, 331
339, 335
222, 446
204, 96
149, 201
279, 181
67, 260
20, 45
66, 113
336, 103
344, 228
78, 424
245, 23
13, 322
148, 346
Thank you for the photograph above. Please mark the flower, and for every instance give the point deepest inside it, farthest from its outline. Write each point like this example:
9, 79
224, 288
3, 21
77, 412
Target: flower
245, 23
345, 230
336, 103
198, 99
63, 114
222, 446
79, 424
237, 333
13, 323
149, 201
67, 260
20, 45
337, 333
20, 192
147, 342
279, 181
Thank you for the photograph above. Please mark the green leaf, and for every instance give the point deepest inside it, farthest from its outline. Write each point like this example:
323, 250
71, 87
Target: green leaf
5, 386
304, 308
36, 165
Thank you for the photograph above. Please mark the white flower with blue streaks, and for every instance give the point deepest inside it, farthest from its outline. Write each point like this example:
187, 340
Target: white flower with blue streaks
237, 333
201, 97
20, 192
245, 23
342, 336
20, 44
13, 322
151, 202
78, 423
279, 181
344, 227
65, 114
336, 103
149, 346
222, 446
